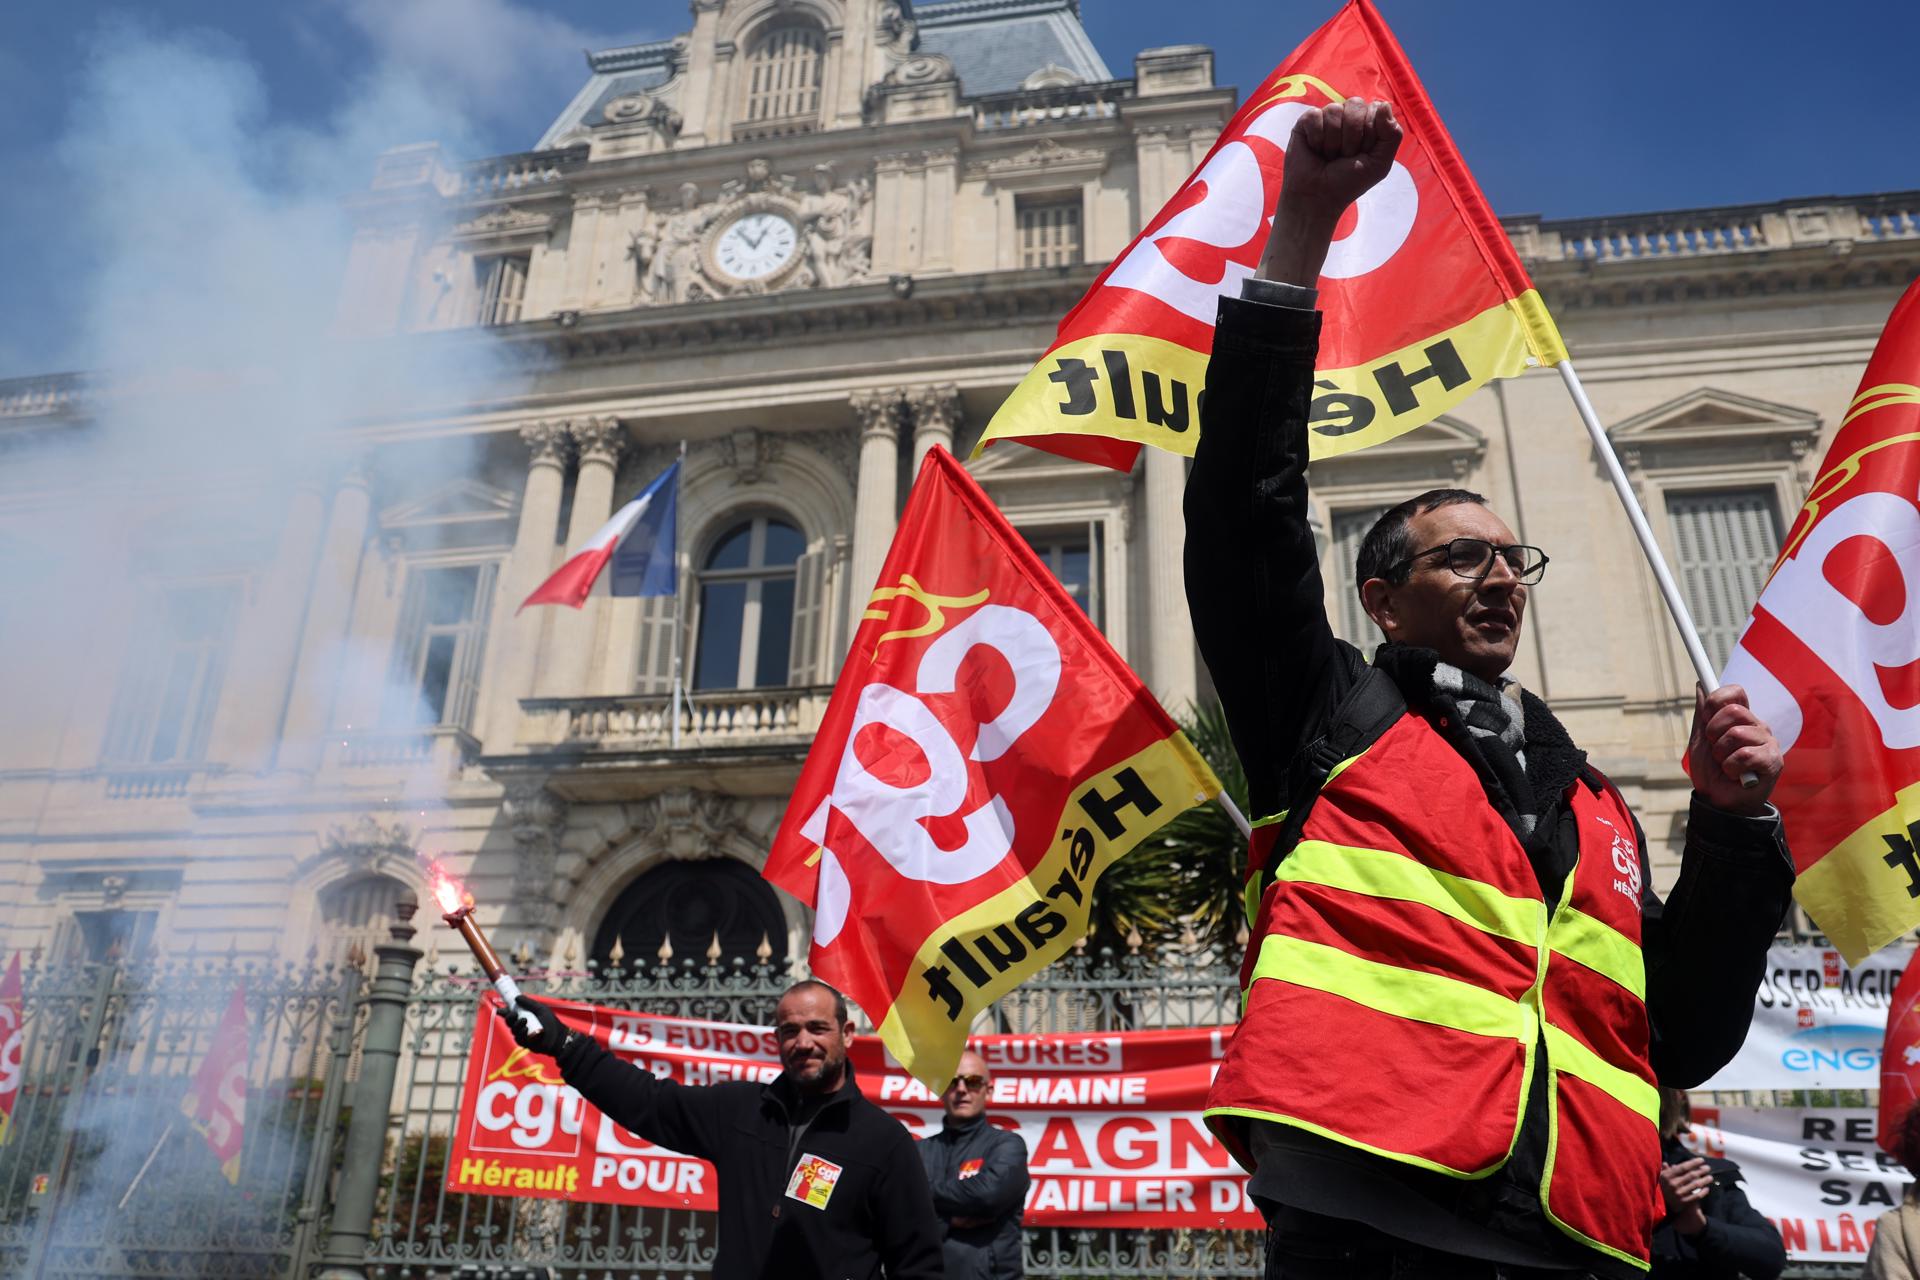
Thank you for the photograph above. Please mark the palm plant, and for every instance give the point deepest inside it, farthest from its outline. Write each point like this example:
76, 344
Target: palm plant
1188, 874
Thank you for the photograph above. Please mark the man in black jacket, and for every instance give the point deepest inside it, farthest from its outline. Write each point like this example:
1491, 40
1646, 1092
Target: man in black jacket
815, 1181
979, 1178
1452, 620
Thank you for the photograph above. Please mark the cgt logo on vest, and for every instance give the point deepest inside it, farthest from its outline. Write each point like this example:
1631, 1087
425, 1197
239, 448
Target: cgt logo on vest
1626, 863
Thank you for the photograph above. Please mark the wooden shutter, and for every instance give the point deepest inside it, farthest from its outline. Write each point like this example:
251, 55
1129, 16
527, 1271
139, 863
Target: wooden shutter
473, 647
1725, 544
809, 608
653, 673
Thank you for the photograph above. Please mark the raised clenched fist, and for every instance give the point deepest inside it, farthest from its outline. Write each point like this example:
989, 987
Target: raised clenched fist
1335, 155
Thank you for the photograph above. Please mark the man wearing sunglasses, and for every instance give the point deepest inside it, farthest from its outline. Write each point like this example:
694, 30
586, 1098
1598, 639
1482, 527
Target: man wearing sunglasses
979, 1178
1460, 991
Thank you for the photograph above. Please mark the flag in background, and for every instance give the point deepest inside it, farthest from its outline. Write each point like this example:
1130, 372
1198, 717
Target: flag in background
1830, 660
216, 1105
986, 755
1900, 1060
13, 1045
638, 540
1424, 298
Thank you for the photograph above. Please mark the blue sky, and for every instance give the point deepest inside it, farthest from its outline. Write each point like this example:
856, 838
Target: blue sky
1561, 109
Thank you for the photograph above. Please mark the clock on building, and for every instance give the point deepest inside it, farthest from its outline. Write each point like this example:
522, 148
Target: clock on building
755, 245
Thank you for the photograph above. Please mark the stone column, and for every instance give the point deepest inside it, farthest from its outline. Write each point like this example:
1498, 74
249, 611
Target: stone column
568, 670
538, 819
1172, 672
247, 725
316, 676
936, 417
876, 493
514, 636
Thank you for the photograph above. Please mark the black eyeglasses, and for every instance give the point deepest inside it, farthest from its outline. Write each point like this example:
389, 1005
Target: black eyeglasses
1472, 559
974, 1083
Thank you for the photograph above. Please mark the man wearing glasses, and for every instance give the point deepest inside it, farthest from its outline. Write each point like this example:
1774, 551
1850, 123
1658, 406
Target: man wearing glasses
1460, 990
979, 1178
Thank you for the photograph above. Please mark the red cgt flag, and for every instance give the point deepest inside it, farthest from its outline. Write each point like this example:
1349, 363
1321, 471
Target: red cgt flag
1831, 660
986, 755
1900, 1060
13, 1045
216, 1105
1424, 298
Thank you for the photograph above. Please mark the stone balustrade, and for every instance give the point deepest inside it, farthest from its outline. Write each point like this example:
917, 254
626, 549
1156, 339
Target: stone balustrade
508, 175
149, 782
41, 396
1697, 233
733, 718
439, 749
1045, 106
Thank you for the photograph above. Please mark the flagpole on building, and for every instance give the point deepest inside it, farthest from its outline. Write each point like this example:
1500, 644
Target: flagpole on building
1662, 576
678, 587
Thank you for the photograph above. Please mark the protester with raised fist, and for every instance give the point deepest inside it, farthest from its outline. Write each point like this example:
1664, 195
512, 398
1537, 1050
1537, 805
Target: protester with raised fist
1460, 988
814, 1179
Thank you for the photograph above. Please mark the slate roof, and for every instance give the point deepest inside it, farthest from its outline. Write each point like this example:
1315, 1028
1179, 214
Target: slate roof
995, 45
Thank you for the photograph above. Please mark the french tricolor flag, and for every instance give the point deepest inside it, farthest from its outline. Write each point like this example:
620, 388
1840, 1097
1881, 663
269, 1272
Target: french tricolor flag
639, 541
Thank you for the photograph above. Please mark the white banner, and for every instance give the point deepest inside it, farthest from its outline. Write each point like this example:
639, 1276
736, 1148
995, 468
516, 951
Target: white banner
1815, 1173
1816, 1023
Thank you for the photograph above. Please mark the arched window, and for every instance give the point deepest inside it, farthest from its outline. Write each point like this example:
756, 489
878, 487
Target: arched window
356, 913
746, 606
783, 73
690, 904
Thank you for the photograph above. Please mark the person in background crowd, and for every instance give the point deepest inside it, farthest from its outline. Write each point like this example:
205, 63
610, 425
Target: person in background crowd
979, 1179
1895, 1254
815, 1181
1710, 1231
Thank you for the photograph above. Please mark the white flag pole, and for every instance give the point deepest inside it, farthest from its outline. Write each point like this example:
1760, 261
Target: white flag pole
1225, 801
679, 589
1669, 590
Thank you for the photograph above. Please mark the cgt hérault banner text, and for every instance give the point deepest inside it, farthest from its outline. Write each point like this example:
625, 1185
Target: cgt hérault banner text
1111, 1119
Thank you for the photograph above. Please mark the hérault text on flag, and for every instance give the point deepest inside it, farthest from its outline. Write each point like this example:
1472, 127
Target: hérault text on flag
639, 541
1423, 297
1830, 660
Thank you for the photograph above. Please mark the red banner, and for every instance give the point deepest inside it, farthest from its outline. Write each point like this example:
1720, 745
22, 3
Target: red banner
1831, 660
985, 757
13, 1042
1111, 1119
216, 1105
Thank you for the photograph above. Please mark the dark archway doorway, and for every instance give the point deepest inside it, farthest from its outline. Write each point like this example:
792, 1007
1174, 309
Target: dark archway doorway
691, 903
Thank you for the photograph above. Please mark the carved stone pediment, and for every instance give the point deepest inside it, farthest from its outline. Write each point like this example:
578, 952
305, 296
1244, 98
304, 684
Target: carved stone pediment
759, 233
1047, 158
504, 224
688, 824
1443, 451
1708, 424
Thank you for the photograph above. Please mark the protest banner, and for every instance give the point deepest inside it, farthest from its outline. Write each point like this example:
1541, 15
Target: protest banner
1814, 1172
1817, 1023
1111, 1119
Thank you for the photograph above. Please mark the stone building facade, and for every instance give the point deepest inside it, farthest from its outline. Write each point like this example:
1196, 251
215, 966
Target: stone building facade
811, 239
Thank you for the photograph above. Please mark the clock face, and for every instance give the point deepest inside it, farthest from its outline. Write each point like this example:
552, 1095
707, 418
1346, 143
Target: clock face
755, 246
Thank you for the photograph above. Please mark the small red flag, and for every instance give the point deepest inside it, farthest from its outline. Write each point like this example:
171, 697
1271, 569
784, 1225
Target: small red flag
13, 1045
216, 1106
1900, 1060
985, 756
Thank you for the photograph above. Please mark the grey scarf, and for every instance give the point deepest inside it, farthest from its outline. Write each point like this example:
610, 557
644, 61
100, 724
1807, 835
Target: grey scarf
1497, 726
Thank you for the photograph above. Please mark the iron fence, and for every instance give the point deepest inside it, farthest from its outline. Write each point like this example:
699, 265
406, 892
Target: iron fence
103, 1174
423, 1229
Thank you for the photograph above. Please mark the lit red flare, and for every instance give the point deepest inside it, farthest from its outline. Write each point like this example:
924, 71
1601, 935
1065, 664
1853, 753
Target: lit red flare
456, 906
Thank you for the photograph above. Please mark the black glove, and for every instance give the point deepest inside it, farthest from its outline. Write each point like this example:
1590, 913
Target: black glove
552, 1034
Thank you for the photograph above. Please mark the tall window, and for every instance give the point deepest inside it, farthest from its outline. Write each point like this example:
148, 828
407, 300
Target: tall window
503, 287
1073, 556
688, 905
171, 682
442, 637
746, 607
1049, 231
1350, 621
783, 74
356, 912
1726, 543
95, 937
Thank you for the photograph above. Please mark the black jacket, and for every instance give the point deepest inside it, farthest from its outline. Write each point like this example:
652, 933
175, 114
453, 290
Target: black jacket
979, 1172
1255, 593
1738, 1240
877, 1215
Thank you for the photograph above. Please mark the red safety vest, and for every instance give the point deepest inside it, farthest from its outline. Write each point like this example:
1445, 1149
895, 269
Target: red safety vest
1404, 969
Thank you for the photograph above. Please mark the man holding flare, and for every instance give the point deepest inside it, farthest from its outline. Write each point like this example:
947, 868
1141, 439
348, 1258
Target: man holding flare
1460, 990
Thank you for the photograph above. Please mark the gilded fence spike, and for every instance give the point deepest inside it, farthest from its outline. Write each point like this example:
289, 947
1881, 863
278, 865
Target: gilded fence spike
666, 949
713, 949
764, 952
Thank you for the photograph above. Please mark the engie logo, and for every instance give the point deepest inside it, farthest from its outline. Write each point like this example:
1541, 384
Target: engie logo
1215, 240
1849, 1047
883, 804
